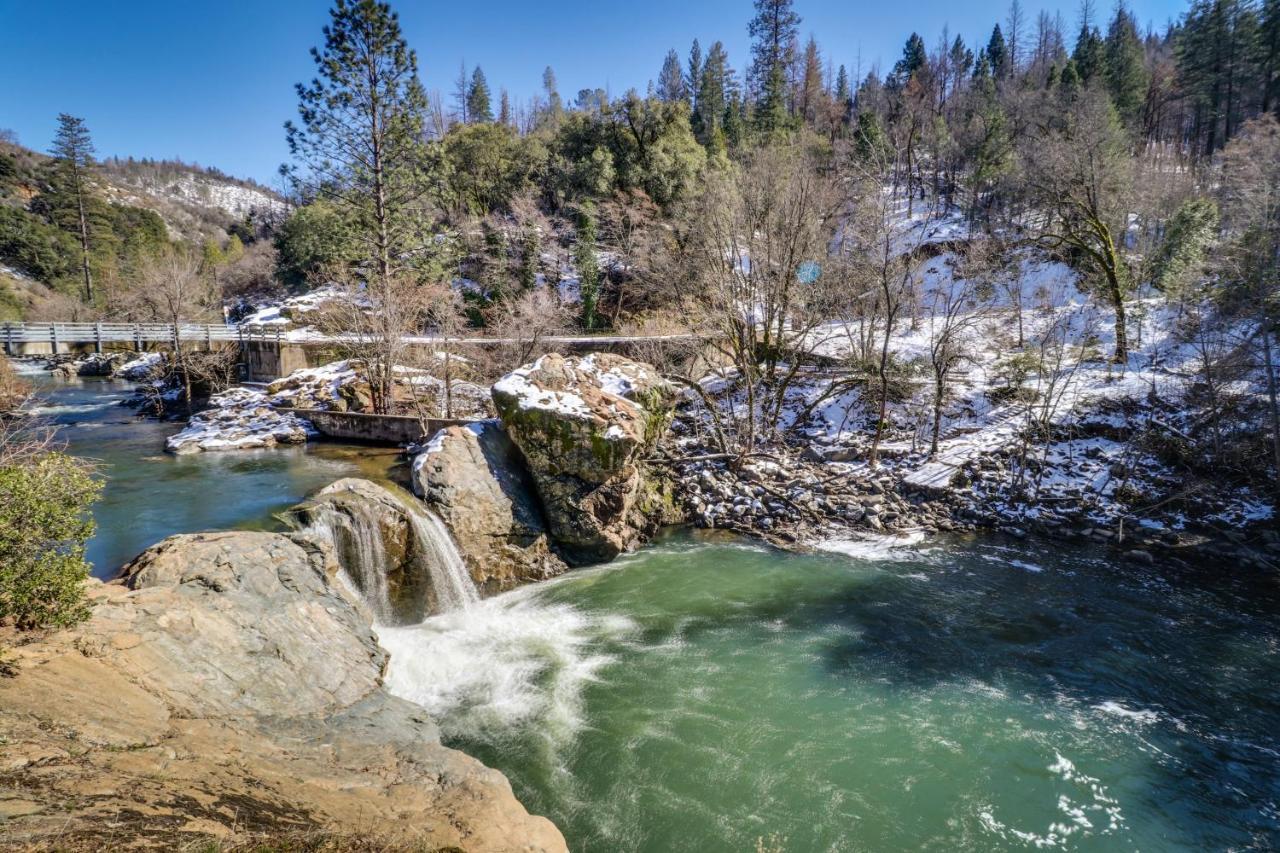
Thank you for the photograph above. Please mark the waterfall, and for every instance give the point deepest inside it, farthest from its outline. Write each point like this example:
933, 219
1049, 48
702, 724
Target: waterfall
357, 540
452, 582
355, 530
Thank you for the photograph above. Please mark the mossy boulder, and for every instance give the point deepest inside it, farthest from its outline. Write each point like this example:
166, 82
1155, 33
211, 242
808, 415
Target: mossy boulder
585, 427
475, 480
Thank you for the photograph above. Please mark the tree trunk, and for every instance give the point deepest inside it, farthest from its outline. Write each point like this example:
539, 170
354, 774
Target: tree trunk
84, 235
1117, 303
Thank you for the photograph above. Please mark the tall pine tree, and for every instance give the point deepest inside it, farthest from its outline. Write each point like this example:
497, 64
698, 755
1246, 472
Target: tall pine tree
1125, 68
671, 86
74, 152
773, 32
479, 109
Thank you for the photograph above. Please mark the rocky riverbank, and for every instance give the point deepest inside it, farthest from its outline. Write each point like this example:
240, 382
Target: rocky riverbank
227, 689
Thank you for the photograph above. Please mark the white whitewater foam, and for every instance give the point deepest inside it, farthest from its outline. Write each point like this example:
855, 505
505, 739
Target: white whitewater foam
871, 547
501, 664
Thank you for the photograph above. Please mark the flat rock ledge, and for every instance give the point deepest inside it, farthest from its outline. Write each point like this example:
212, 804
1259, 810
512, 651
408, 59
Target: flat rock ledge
227, 688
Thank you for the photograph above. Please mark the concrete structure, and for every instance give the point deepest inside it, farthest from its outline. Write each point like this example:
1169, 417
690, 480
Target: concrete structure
376, 429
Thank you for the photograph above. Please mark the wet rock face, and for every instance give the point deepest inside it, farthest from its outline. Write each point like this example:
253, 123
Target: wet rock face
475, 480
584, 426
370, 531
226, 685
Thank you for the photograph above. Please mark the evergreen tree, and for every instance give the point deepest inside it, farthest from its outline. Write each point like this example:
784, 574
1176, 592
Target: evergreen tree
478, 107
914, 58
671, 86
771, 112
555, 106
359, 143
773, 32
812, 91
735, 121
1089, 55
1269, 55
693, 83
1125, 68
530, 257
588, 267
844, 96
505, 116
74, 151
961, 59
1217, 53
712, 94
998, 55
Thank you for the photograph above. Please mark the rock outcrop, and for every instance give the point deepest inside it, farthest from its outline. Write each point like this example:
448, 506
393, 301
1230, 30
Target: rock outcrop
225, 687
475, 480
239, 419
584, 427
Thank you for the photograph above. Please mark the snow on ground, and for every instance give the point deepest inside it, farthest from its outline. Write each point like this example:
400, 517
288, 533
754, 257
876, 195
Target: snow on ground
1061, 378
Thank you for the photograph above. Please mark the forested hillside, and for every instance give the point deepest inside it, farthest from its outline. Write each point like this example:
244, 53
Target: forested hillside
126, 212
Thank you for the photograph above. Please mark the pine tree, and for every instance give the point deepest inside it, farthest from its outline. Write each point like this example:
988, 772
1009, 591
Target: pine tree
1089, 55
712, 94
998, 54
362, 118
555, 106
914, 58
693, 83
478, 107
671, 86
74, 151
812, 92
1125, 70
844, 97
1269, 55
961, 59
773, 32
505, 117
530, 257
588, 267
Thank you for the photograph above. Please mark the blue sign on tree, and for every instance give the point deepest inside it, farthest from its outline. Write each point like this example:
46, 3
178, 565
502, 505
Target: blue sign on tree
808, 272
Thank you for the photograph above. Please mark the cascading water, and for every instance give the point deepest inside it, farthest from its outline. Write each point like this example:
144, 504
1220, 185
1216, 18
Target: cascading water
355, 528
455, 590
357, 540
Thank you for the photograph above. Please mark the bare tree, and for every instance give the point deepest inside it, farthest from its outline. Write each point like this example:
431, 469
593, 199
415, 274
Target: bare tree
172, 289
955, 310
752, 246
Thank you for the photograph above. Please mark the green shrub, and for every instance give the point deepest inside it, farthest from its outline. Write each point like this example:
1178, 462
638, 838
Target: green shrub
44, 524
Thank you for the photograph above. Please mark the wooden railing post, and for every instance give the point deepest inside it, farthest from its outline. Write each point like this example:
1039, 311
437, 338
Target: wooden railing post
8, 339
53, 334
97, 338
137, 336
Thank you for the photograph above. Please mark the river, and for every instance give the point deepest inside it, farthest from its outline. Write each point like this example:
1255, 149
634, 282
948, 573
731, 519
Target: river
710, 695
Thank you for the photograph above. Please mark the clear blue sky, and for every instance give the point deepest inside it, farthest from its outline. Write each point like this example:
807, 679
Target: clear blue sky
213, 82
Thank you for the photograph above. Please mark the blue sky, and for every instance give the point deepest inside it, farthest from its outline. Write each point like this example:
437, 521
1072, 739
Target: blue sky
213, 82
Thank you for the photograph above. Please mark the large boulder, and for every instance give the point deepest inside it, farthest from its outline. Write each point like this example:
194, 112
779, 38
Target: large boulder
475, 480
226, 688
584, 427
380, 537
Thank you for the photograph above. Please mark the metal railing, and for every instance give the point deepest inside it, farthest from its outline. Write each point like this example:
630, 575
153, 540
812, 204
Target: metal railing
138, 334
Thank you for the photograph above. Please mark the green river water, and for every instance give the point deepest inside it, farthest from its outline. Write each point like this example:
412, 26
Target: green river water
705, 694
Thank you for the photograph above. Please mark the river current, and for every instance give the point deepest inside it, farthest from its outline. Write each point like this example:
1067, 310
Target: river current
710, 695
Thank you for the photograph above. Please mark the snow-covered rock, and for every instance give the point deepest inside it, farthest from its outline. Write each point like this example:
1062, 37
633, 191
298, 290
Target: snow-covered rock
239, 419
584, 427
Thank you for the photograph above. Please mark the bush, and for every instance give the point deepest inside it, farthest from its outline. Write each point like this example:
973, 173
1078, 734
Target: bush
44, 524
